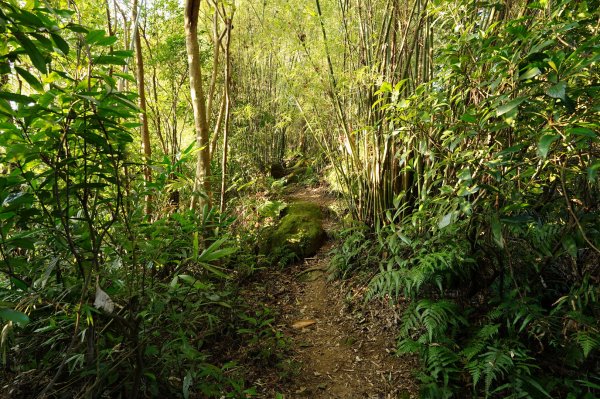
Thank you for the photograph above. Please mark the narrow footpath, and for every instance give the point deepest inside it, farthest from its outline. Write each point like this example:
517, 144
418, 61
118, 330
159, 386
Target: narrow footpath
340, 346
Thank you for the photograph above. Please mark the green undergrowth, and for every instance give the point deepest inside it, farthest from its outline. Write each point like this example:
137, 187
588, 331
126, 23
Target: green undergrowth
494, 244
100, 297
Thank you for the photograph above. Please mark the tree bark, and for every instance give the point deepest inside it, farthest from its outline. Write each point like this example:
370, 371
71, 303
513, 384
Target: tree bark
227, 114
147, 150
202, 179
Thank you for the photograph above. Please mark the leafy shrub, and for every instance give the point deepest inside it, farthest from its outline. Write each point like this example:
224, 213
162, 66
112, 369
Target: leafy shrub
96, 298
496, 242
356, 252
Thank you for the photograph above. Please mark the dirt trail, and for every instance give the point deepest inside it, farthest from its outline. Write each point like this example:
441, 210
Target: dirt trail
348, 350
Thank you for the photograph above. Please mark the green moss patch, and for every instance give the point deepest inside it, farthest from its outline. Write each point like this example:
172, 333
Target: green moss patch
299, 233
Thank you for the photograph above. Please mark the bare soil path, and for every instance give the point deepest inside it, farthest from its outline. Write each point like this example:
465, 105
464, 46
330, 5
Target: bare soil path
345, 348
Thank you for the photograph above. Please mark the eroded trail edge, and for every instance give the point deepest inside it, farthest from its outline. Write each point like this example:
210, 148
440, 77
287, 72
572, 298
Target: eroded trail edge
340, 347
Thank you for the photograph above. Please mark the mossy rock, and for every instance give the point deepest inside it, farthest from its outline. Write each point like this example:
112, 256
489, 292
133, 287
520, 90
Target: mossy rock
298, 235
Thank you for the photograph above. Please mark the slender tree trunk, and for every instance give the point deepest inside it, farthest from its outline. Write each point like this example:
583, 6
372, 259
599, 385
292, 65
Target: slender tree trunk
227, 114
139, 63
110, 29
202, 179
218, 123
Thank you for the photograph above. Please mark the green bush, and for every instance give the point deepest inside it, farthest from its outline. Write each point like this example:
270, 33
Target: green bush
496, 245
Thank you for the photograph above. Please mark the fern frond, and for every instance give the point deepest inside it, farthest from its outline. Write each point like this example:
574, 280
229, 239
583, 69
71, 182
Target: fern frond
441, 360
434, 317
407, 345
480, 341
587, 341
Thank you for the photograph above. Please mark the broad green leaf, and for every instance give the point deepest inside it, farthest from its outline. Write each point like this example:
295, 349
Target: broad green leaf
60, 43
151, 350
582, 131
215, 270
125, 76
465, 174
497, 231
213, 252
122, 53
385, 87
7, 215
467, 190
20, 284
399, 85
43, 41
76, 28
22, 242
537, 386
28, 18
511, 150
593, 171
18, 98
558, 90
29, 78
589, 384
109, 60
271, 208
37, 59
106, 41
545, 143
217, 254
47, 98
125, 101
530, 73
445, 220
94, 35
15, 316
468, 118
509, 106
193, 281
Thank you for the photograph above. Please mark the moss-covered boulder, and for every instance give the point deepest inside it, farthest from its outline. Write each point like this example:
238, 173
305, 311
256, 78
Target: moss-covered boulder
299, 233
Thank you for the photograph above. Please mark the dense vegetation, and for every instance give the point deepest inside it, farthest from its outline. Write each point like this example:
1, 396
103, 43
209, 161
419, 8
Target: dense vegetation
462, 138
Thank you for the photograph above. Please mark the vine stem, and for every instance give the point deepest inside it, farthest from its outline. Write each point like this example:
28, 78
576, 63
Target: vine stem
570, 209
